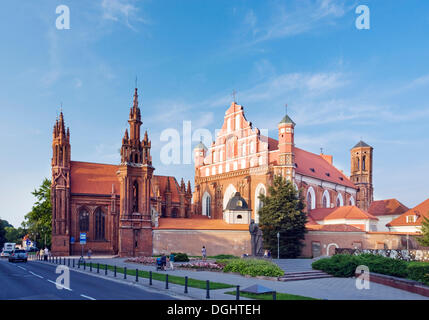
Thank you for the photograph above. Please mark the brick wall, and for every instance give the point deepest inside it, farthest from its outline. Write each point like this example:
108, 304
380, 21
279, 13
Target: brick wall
191, 241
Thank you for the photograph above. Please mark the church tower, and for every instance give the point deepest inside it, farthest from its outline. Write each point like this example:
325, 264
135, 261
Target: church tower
286, 146
60, 188
135, 176
361, 174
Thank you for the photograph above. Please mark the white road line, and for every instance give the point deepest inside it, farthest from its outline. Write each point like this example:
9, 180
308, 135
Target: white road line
60, 285
87, 297
35, 275
22, 268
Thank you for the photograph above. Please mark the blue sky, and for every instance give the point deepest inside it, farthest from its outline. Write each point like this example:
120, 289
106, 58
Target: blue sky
340, 83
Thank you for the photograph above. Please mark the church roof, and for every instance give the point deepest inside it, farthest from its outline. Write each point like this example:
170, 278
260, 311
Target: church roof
200, 146
387, 207
93, 178
421, 211
334, 228
361, 144
237, 203
287, 119
349, 213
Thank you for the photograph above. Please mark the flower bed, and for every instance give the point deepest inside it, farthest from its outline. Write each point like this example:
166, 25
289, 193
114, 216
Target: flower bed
142, 260
209, 266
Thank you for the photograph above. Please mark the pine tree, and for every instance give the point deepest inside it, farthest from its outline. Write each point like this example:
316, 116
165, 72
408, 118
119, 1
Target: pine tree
424, 240
283, 212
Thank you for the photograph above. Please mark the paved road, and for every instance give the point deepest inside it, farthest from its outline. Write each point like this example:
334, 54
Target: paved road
37, 281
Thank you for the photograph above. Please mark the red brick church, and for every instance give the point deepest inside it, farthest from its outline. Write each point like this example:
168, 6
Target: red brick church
113, 204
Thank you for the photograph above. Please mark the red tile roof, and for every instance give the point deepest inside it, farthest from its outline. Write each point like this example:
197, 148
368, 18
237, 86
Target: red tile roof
335, 228
93, 178
350, 213
98, 178
387, 207
320, 213
198, 224
421, 211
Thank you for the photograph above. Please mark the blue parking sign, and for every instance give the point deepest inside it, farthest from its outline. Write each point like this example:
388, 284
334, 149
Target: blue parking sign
82, 238
28, 242
72, 240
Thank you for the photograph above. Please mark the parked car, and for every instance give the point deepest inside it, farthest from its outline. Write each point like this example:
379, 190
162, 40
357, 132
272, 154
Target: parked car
5, 253
18, 255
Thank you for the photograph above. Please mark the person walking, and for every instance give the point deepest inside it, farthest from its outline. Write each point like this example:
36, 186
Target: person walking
46, 254
204, 252
172, 261
89, 253
163, 261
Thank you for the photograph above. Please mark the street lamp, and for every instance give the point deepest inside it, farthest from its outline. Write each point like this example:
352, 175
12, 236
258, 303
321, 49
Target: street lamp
278, 245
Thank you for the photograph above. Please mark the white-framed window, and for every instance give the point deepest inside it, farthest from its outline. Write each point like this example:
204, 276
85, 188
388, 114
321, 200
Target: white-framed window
220, 169
227, 167
340, 201
243, 164
213, 170
252, 147
221, 155
206, 205
243, 150
235, 165
237, 122
214, 156
311, 199
207, 171
411, 219
326, 199
261, 161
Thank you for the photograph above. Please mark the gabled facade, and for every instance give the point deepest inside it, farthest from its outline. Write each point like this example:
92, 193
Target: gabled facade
411, 220
243, 160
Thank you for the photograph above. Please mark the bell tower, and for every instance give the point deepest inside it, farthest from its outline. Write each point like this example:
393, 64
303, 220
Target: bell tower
361, 174
135, 176
286, 148
60, 188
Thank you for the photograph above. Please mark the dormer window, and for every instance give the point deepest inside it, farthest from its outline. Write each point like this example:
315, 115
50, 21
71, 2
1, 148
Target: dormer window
312, 170
341, 178
328, 174
411, 218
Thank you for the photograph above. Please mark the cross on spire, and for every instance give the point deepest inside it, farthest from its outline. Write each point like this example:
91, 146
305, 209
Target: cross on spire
136, 81
286, 109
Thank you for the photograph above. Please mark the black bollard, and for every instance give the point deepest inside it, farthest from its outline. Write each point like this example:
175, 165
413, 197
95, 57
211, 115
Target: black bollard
73, 263
207, 289
98, 268
274, 295
68, 262
125, 272
84, 265
237, 293
137, 275
166, 281
186, 284
150, 278
105, 269
90, 266
115, 272
78, 264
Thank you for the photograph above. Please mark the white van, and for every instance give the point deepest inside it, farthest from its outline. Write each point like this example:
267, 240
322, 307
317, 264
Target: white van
9, 246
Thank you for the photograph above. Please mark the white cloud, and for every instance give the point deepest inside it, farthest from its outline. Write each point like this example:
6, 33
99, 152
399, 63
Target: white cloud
122, 11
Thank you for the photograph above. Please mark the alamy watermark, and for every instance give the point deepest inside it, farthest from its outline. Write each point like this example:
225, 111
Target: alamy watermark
363, 278
63, 280
63, 20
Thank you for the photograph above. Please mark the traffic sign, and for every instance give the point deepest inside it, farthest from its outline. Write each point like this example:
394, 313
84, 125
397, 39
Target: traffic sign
28, 242
71, 240
82, 238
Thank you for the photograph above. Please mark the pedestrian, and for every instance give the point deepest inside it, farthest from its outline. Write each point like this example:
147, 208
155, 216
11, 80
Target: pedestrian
266, 253
89, 253
163, 261
204, 252
46, 254
172, 261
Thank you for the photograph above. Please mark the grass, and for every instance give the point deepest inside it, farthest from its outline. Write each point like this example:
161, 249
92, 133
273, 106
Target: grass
269, 296
192, 283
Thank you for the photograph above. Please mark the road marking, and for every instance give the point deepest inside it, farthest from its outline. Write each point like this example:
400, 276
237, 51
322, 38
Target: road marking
87, 297
60, 285
35, 275
22, 268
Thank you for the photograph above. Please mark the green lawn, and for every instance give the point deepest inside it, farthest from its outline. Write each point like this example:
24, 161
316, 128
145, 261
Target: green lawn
192, 283
269, 296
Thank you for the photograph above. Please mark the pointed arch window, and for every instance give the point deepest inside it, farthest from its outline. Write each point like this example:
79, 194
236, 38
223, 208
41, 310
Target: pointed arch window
309, 201
136, 196
83, 220
99, 224
364, 163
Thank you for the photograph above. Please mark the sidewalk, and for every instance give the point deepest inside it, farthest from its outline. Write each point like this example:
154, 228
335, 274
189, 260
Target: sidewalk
331, 288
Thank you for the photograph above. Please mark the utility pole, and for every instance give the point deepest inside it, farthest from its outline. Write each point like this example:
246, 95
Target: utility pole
278, 245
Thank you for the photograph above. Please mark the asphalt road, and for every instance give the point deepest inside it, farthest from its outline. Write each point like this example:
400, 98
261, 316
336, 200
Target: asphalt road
37, 281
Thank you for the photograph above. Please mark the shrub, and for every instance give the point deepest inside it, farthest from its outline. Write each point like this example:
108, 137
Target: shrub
340, 265
383, 265
252, 267
180, 257
418, 271
224, 256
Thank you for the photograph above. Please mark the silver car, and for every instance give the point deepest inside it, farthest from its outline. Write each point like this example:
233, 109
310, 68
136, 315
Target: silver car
18, 255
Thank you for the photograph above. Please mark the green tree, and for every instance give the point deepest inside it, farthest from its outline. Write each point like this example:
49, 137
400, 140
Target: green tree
15, 234
283, 212
39, 220
424, 240
3, 225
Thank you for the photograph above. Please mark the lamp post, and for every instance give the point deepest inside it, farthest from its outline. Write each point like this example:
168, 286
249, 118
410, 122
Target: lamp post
278, 245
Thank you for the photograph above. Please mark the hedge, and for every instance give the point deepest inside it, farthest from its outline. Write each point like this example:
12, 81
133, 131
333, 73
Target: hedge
251, 267
344, 265
180, 257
